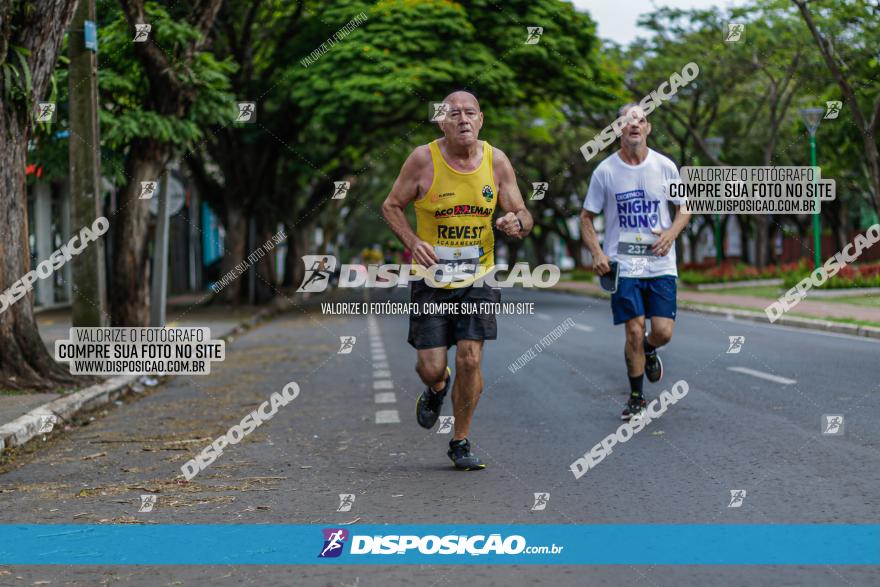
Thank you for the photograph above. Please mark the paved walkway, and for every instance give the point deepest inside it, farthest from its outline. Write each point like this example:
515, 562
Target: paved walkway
55, 325
807, 307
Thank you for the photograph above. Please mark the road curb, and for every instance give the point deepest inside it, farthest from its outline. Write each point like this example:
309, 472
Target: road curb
26, 427
754, 316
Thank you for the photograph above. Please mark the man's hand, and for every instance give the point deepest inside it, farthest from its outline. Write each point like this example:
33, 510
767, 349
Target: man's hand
424, 254
601, 264
664, 242
508, 224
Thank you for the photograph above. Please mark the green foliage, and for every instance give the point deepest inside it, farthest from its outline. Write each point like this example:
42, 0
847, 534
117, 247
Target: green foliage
16, 76
128, 104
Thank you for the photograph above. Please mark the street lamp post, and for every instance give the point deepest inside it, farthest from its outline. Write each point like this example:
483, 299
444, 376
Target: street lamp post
812, 117
713, 147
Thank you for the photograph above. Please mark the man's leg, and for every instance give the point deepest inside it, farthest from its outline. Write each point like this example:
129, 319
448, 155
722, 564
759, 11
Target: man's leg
468, 385
431, 367
465, 395
661, 331
635, 353
660, 305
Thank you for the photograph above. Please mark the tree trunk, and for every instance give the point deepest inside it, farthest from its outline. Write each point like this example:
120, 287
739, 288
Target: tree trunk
267, 287
297, 245
130, 291
762, 248
24, 360
236, 224
38, 27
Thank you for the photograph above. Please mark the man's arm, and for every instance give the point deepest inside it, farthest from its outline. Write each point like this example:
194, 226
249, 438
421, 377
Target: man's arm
405, 190
591, 239
667, 237
510, 199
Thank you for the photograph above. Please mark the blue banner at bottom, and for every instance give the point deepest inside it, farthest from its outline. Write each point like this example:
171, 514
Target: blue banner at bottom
240, 544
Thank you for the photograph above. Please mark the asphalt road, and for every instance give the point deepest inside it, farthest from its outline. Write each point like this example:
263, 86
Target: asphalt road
756, 427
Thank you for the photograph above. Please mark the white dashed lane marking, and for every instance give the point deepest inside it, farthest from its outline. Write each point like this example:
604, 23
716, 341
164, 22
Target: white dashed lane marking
387, 417
381, 376
762, 375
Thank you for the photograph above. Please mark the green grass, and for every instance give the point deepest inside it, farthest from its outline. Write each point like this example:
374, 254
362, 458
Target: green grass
577, 275
771, 292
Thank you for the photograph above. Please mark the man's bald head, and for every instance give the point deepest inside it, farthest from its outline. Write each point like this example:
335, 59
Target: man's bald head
462, 96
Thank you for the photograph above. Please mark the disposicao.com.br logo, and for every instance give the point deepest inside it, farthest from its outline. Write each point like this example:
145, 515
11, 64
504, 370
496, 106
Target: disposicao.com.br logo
320, 268
450, 544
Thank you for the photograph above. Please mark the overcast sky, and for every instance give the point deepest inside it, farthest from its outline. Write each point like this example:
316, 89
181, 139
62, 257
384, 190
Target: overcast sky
617, 18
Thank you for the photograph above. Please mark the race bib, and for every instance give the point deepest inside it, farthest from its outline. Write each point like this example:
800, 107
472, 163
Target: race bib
460, 263
636, 244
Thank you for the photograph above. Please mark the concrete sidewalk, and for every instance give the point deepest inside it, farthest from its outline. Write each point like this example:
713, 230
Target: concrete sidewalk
182, 311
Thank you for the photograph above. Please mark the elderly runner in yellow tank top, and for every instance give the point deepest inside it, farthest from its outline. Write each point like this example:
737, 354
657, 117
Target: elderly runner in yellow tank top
454, 184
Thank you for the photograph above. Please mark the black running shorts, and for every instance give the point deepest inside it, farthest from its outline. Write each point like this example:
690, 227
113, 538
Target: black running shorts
433, 330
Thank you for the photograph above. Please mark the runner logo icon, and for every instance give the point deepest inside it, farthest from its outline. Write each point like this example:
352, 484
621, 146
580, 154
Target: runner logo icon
736, 344
346, 500
47, 422
737, 496
541, 500
346, 345
334, 540
832, 109
318, 270
539, 189
832, 424
446, 424
340, 189
734, 32
534, 35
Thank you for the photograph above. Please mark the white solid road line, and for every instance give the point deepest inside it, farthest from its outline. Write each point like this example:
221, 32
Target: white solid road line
584, 327
386, 397
762, 375
387, 417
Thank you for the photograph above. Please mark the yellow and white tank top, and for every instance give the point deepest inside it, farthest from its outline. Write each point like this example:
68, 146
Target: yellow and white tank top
455, 217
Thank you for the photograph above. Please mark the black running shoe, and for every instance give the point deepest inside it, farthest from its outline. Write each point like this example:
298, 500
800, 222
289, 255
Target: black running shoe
460, 453
653, 367
430, 403
634, 406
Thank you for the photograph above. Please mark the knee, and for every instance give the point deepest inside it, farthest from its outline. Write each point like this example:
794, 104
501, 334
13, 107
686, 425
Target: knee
430, 371
635, 332
467, 360
661, 336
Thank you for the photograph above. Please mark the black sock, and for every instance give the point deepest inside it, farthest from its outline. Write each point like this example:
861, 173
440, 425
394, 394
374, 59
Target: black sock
635, 385
649, 348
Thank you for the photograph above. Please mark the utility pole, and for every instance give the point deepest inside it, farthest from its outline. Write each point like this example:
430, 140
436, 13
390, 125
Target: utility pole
812, 117
159, 286
87, 269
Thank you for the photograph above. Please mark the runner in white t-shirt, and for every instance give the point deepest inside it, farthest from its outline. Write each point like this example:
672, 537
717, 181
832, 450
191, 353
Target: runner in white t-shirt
629, 187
